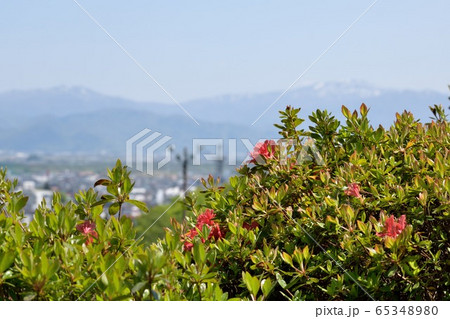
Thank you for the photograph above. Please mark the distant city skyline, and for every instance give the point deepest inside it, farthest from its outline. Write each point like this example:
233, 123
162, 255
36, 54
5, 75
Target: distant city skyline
210, 48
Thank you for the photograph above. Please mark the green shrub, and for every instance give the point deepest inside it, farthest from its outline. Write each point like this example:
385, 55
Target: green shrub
362, 214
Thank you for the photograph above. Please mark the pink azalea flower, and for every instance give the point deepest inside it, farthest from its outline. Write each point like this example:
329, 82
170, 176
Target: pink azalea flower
262, 150
353, 190
88, 230
392, 227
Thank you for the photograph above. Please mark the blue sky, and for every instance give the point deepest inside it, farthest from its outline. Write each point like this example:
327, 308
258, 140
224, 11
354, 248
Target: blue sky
206, 48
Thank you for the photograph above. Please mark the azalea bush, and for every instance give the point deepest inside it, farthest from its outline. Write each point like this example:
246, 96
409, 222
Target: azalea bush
340, 211
362, 215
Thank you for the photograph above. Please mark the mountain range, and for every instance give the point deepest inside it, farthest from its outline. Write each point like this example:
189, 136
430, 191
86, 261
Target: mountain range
77, 119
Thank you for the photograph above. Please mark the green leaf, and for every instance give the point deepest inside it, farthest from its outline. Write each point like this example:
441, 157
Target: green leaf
346, 112
138, 286
142, 206
330, 201
232, 228
233, 181
180, 258
287, 258
20, 204
104, 280
266, 286
280, 280
199, 253
306, 253
252, 284
6, 260
113, 209
29, 297
170, 240
362, 227
392, 271
127, 185
363, 110
44, 263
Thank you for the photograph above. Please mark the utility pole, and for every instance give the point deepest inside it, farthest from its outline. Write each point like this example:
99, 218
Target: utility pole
220, 164
185, 167
184, 159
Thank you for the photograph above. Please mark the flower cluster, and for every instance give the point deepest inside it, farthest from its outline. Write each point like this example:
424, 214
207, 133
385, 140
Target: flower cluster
353, 190
392, 227
206, 218
88, 230
263, 150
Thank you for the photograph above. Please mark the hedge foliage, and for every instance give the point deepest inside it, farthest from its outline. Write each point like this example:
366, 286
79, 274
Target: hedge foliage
360, 214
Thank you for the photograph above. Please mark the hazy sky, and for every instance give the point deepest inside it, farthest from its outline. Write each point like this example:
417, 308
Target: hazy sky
206, 48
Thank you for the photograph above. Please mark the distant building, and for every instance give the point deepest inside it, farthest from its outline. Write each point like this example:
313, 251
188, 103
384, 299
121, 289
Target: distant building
41, 194
29, 186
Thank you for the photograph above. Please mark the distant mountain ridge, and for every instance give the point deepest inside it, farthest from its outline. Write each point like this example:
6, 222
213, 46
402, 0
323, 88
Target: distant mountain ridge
81, 120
